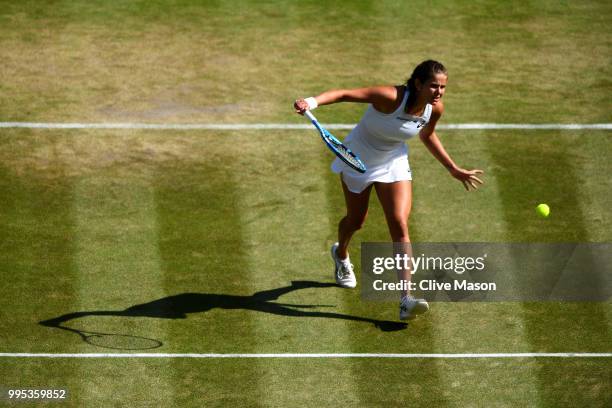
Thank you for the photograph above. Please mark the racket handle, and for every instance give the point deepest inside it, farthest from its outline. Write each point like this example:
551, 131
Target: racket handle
310, 116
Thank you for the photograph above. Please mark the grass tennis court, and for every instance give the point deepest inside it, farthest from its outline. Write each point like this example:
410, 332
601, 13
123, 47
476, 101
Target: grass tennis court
120, 222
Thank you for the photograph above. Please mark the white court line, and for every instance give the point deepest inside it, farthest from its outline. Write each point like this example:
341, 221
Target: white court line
303, 355
289, 126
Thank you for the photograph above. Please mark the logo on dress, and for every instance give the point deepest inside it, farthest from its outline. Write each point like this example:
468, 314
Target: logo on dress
419, 121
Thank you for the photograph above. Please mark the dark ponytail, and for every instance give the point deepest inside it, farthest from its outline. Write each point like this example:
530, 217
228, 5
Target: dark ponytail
423, 72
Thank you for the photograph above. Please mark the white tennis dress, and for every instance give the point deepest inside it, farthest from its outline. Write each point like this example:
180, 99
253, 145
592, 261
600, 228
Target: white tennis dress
379, 140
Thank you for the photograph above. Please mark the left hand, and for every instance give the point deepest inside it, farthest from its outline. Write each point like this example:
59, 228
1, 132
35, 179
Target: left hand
469, 178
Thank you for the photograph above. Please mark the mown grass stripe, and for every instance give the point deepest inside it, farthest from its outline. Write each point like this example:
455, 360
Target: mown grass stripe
416, 336
118, 265
284, 247
532, 385
449, 320
496, 205
560, 187
204, 261
39, 278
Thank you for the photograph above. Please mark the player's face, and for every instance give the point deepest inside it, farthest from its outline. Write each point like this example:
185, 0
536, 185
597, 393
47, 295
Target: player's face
433, 89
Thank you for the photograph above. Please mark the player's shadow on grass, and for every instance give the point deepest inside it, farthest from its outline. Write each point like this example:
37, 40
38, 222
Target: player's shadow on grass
178, 306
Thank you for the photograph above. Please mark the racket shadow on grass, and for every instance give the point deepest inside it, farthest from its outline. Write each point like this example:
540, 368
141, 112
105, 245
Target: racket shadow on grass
178, 306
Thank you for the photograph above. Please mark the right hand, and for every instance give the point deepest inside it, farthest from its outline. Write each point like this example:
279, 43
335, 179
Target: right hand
469, 178
300, 106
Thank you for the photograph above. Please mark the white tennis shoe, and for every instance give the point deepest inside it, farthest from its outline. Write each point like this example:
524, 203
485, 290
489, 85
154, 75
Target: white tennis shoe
410, 307
343, 272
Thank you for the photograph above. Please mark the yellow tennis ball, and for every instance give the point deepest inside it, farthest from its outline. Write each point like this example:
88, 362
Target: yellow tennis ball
543, 210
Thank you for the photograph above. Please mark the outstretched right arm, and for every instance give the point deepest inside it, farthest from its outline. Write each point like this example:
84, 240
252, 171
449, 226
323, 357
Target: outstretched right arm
379, 96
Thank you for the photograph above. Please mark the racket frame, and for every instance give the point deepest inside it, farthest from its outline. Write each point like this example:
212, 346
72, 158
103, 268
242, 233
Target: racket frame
331, 141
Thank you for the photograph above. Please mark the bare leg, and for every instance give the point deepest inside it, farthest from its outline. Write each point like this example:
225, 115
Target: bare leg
356, 212
396, 200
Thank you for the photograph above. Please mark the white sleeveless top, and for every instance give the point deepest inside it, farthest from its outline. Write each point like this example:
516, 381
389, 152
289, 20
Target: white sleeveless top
379, 140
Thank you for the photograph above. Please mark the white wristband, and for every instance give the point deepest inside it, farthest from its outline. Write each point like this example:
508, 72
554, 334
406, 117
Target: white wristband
312, 103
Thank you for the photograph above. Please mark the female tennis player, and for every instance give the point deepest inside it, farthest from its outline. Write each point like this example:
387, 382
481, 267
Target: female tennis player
395, 114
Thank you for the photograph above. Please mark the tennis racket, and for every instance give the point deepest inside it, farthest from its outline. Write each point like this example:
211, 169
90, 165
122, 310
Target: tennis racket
344, 153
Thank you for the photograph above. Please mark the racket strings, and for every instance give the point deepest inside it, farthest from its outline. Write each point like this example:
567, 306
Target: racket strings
345, 153
349, 155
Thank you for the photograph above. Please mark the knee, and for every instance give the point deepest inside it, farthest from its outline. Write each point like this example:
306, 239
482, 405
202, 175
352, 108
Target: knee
354, 223
398, 228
